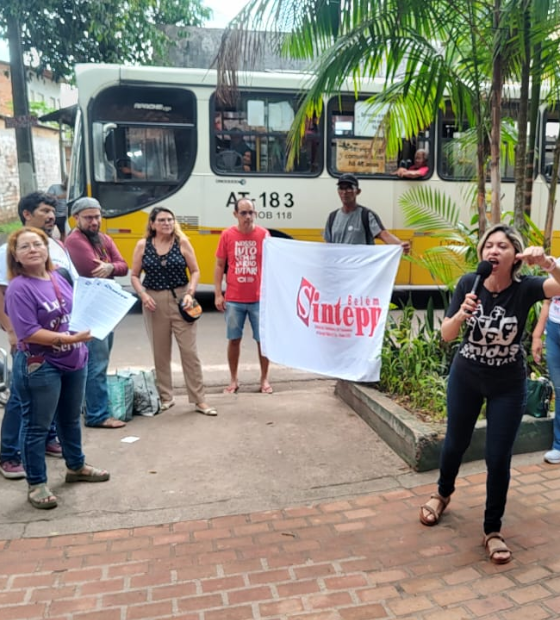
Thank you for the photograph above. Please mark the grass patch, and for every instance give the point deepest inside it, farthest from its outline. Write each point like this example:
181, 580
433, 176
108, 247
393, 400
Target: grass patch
8, 227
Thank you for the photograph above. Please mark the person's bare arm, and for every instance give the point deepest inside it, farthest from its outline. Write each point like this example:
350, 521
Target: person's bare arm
538, 331
219, 301
391, 239
5, 321
48, 338
187, 251
146, 299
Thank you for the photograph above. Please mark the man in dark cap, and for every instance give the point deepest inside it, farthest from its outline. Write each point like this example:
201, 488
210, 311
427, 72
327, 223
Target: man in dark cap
355, 224
95, 255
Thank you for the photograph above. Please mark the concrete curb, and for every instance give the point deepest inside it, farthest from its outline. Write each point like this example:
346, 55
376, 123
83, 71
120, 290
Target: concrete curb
418, 443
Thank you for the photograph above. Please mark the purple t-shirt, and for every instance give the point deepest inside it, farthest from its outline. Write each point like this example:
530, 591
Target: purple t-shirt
31, 305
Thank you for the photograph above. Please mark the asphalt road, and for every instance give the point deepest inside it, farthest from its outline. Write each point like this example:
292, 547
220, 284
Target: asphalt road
132, 350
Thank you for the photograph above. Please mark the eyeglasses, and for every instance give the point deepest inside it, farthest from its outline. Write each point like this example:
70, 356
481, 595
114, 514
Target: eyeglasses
25, 247
167, 220
245, 213
90, 218
346, 188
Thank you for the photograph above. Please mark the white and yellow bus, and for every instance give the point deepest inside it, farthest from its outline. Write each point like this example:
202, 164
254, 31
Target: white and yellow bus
147, 136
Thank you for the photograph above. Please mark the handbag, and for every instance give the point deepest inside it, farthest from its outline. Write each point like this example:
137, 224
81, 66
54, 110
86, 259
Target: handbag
190, 315
146, 400
539, 395
121, 397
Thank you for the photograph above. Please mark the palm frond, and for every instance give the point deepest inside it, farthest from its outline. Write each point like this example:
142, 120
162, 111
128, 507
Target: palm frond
426, 209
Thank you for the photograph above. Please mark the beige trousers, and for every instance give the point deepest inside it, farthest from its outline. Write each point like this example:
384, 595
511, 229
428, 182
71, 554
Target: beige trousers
161, 324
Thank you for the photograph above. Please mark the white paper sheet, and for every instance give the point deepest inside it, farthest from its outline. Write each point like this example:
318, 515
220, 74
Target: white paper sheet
98, 305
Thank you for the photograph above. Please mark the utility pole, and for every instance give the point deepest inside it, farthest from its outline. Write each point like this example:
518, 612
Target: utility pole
24, 138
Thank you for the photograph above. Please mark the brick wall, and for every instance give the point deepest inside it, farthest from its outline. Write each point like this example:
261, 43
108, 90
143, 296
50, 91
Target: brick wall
47, 166
9, 180
45, 142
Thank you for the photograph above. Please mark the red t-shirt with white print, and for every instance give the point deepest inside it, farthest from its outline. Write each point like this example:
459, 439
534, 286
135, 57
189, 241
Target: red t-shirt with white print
243, 254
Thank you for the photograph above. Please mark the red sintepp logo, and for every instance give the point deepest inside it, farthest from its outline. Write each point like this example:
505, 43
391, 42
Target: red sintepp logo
305, 298
359, 316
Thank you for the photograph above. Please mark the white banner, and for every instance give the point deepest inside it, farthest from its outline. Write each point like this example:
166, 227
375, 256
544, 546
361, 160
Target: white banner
324, 306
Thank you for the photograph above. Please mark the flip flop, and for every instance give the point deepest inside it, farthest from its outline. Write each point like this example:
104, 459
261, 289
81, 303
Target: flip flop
38, 493
231, 389
267, 389
93, 475
206, 411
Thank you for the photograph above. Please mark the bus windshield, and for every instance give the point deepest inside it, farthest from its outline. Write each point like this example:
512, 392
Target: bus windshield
144, 145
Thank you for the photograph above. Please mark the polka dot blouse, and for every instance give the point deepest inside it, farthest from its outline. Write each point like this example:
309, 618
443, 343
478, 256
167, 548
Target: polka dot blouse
166, 271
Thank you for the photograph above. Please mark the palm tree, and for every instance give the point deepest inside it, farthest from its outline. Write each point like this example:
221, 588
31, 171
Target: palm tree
431, 53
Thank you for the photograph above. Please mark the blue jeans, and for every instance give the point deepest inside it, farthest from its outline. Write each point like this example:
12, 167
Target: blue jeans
505, 394
11, 432
97, 396
236, 314
46, 394
553, 363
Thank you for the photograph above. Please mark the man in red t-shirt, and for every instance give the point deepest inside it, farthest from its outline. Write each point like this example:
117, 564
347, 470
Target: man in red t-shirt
240, 247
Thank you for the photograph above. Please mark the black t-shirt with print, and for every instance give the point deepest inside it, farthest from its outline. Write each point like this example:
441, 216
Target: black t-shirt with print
492, 335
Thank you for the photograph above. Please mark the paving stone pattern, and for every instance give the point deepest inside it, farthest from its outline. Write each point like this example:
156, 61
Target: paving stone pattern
355, 559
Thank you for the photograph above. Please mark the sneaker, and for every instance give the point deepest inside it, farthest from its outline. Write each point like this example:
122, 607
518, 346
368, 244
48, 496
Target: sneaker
552, 456
54, 449
12, 470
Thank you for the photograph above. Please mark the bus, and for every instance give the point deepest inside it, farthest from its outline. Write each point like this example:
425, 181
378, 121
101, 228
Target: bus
146, 135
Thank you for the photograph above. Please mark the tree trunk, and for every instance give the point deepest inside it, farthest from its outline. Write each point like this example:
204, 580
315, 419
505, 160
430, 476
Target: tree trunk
24, 140
536, 82
495, 114
522, 119
481, 187
551, 206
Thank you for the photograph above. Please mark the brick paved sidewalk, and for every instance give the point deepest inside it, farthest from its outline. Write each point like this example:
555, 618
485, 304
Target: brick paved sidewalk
358, 559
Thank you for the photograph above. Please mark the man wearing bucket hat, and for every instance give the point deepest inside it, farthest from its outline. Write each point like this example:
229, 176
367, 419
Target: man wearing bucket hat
95, 255
354, 224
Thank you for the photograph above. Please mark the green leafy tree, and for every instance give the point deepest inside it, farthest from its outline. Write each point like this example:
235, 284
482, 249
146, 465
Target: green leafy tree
430, 52
60, 33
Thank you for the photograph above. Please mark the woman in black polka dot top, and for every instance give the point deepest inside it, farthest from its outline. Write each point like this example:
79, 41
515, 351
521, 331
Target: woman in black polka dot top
165, 255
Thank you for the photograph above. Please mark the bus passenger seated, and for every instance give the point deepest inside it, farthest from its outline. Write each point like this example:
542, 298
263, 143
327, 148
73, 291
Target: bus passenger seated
248, 160
238, 141
419, 168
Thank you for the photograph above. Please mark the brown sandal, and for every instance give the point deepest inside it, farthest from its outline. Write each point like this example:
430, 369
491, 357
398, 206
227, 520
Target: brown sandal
443, 502
494, 543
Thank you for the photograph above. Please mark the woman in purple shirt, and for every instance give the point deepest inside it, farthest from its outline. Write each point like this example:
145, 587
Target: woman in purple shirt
49, 365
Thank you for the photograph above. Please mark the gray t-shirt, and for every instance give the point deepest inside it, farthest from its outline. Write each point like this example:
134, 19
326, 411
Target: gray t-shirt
61, 203
348, 227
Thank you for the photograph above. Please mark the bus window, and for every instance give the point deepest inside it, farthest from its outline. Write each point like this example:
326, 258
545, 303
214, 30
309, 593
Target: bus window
457, 157
358, 144
143, 145
550, 128
250, 137
76, 182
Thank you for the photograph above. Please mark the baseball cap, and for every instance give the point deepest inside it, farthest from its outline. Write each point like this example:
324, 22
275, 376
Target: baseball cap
85, 203
348, 178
